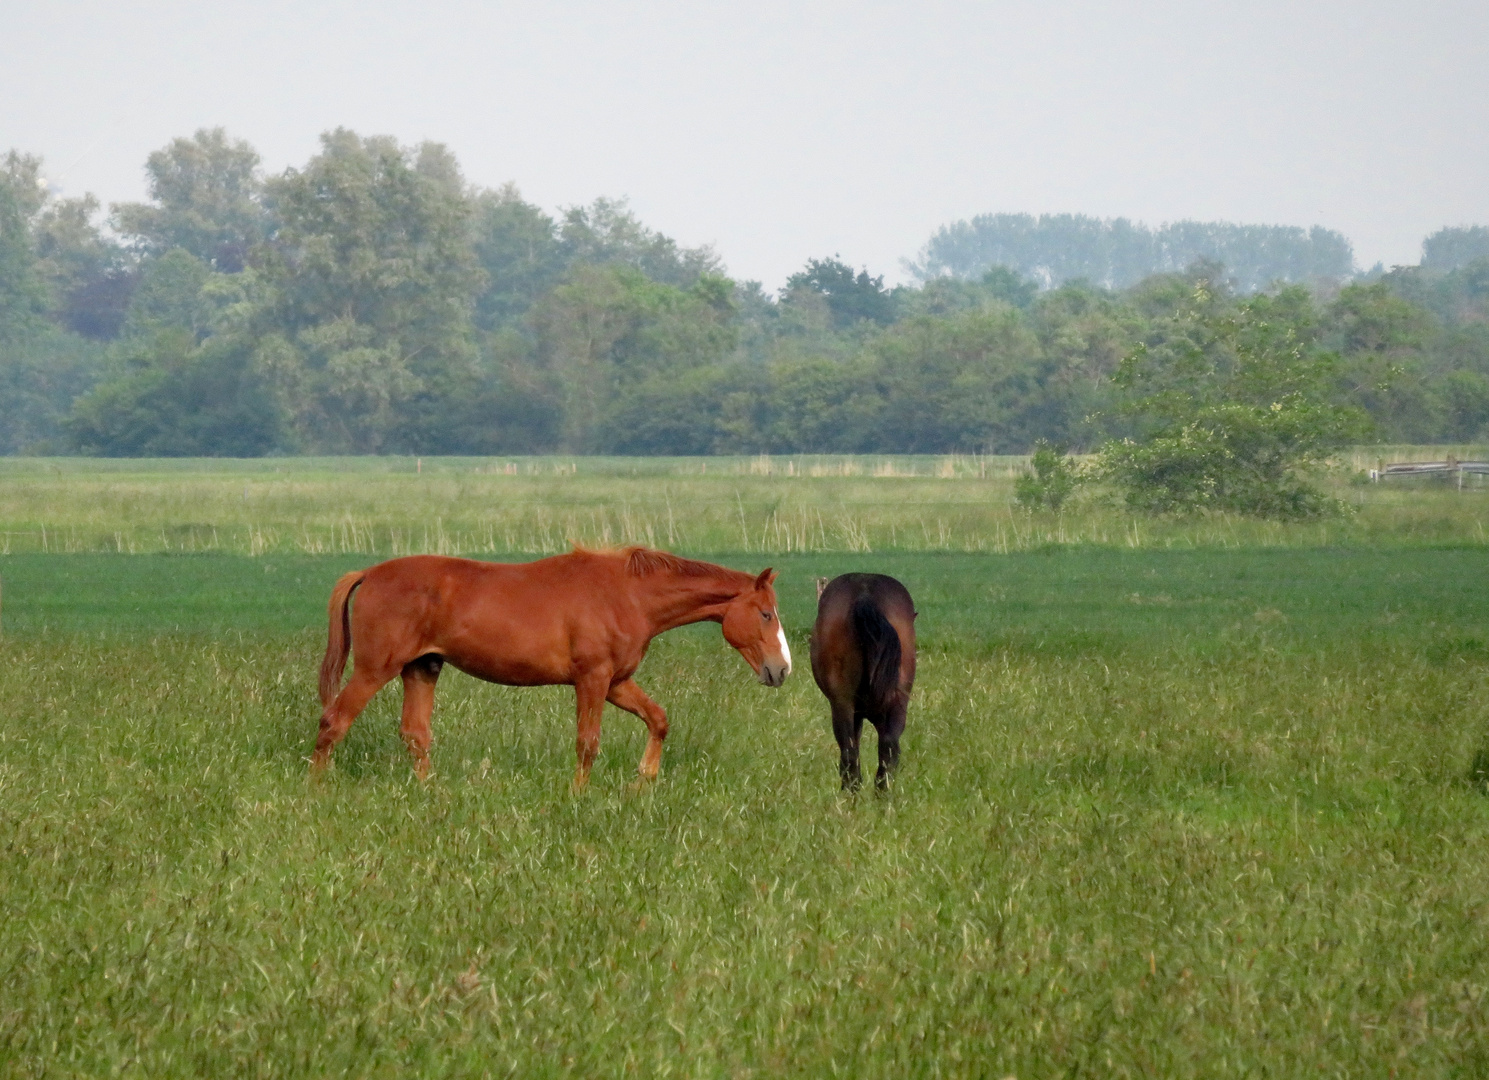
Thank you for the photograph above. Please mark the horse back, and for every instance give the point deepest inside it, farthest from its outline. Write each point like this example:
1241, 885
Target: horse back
514, 623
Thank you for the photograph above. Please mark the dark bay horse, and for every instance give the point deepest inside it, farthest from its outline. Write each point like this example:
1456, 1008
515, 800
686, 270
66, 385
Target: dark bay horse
863, 658
583, 619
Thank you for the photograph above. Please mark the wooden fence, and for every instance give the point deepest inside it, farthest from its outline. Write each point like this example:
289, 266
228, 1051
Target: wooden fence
1451, 467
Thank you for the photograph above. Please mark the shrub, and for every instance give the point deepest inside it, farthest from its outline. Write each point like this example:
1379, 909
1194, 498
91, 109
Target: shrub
1052, 476
1236, 407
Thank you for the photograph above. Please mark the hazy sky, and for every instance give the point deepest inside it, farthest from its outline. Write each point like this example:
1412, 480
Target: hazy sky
780, 132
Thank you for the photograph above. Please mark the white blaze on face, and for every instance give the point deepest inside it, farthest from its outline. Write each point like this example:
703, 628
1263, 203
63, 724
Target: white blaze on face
785, 649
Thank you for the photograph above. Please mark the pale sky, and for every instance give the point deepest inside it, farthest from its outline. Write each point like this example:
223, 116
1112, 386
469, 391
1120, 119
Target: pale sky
781, 132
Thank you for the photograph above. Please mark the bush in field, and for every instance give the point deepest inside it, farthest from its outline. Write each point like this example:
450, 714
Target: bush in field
1235, 404
1051, 478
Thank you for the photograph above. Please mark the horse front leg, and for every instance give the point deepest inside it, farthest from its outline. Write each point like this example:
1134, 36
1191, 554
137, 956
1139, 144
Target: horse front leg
590, 690
630, 697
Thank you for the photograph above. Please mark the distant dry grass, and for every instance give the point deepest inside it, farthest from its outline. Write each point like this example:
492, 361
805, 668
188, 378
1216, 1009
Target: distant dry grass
383, 507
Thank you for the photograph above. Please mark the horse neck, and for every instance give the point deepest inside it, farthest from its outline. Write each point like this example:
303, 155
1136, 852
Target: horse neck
673, 599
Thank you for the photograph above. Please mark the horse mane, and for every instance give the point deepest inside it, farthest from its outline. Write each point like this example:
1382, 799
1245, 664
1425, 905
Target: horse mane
643, 561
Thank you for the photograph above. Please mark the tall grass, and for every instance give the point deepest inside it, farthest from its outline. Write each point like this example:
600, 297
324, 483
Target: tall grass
386, 507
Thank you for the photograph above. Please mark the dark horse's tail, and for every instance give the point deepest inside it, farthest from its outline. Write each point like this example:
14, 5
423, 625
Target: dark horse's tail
879, 643
338, 635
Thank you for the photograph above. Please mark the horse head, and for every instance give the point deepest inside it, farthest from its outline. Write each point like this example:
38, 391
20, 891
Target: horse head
753, 626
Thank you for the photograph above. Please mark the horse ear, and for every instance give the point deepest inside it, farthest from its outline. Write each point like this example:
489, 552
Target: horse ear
766, 577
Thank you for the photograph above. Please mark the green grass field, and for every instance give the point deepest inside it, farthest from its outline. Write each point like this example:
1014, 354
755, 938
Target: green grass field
1208, 801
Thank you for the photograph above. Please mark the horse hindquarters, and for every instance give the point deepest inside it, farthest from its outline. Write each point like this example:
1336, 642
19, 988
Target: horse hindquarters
879, 647
381, 647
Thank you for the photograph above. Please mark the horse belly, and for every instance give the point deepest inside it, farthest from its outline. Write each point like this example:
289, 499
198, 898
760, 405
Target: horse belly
520, 666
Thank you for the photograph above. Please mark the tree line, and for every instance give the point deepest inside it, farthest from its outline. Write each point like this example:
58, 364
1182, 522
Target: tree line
373, 301
1117, 254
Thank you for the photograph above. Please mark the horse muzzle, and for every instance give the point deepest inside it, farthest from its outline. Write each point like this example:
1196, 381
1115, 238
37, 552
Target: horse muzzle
774, 674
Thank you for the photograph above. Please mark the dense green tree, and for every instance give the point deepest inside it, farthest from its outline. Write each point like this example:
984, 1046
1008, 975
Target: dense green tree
683, 413
1083, 335
205, 198
517, 245
42, 367
40, 378
821, 406
20, 176
966, 382
376, 283
170, 297
1238, 402
852, 298
86, 276
758, 316
1451, 248
90, 276
1383, 341
502, 404
23, 292
609, 329
1462, 400
607, 232
178, 398
1051, 479
1456, 296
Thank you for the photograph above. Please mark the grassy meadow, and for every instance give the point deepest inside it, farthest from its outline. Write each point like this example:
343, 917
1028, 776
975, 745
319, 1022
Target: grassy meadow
1195, 799
382, 507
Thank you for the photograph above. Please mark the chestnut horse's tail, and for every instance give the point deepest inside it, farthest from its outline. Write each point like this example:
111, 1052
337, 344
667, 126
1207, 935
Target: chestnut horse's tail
880, 645
338, 635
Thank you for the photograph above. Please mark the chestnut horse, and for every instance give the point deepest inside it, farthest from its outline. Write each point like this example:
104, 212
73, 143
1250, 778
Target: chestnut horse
583, 619
863, 658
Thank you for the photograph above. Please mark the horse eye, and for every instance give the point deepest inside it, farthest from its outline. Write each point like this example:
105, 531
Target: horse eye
765, 615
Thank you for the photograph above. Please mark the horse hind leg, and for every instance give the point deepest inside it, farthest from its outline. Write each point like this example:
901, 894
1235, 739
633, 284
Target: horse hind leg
890, 728
337, 718
847, 726
419, 678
